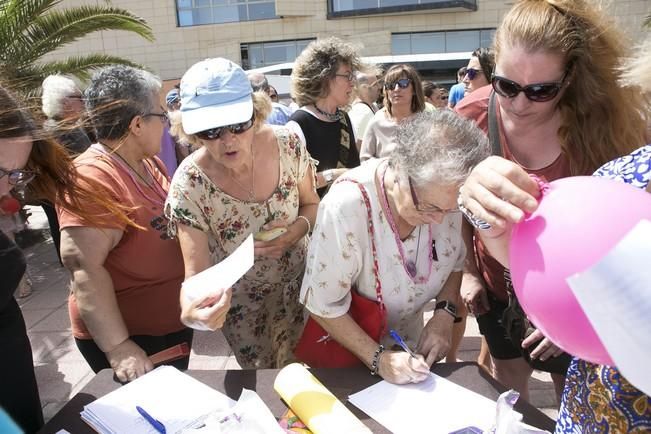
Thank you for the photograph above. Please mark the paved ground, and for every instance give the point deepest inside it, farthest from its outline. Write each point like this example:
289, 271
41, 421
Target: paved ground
61, 370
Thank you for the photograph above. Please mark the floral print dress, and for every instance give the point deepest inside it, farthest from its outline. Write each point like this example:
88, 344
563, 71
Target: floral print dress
597, 398
340, 257
265, 319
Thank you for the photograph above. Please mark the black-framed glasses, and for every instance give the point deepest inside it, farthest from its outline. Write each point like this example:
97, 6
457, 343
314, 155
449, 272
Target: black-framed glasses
427, 208
162, 116
18, 177
402, 83
216, 133
537, 92
472, 73
348, 76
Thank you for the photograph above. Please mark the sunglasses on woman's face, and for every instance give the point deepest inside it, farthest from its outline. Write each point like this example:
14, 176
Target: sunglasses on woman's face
403, 83
216, 133
537, 92
472, 73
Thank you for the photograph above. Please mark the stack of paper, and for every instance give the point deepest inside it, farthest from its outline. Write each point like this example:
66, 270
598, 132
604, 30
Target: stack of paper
175, 399
435, 406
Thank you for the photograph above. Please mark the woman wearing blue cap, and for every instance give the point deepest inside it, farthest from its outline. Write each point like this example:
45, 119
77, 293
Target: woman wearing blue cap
245, 178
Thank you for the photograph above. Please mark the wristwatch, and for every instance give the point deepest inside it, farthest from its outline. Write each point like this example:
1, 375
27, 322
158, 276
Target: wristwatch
328, 175
449, 307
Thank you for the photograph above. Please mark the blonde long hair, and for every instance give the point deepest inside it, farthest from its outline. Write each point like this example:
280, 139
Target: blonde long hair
600, 119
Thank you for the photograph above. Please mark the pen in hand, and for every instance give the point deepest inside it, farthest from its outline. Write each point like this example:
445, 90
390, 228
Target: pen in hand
396, 337
158, 425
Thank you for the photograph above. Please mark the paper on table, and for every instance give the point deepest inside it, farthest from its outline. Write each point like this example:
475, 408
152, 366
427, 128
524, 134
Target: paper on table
314, 404
437, 404
249, 416
222, 275
174, 398
615, 295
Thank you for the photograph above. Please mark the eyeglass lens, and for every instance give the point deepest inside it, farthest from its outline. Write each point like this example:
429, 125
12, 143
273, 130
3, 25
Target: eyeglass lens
216, 133
535, 92
403, 83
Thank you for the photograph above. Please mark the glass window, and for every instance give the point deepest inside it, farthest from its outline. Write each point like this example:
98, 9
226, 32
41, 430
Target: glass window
353, 5
441, 42
195, 12
261, 54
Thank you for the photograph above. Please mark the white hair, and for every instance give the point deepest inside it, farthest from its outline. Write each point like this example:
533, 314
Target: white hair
55, 89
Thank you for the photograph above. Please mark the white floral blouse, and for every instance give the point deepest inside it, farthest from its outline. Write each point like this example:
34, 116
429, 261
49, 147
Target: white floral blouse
265, 319
340, 256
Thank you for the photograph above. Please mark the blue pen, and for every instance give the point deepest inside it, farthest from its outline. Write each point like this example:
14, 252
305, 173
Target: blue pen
158, 426
396, 337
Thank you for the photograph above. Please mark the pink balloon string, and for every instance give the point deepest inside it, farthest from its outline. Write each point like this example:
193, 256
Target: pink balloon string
543, 185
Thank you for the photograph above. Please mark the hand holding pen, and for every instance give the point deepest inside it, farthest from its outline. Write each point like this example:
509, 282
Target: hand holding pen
400, 367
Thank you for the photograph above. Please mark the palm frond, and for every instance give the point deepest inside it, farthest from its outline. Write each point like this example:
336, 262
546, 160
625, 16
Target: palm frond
58, 28
16, 16
27, 79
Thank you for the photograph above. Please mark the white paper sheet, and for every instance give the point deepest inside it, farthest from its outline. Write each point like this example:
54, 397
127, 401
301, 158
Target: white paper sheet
434, 406
222, 275
170, 396
615, 295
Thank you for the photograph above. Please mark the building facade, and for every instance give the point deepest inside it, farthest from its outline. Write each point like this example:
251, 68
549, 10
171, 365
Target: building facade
258, 33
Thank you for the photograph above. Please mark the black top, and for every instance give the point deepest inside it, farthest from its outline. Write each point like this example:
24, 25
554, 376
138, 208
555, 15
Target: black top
323, 140
75, 139
12, 268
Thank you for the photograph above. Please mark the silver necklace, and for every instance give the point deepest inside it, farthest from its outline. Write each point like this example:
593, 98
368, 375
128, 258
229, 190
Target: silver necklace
250, 191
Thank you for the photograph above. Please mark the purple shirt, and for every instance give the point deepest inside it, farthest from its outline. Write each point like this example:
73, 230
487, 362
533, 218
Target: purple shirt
168, 152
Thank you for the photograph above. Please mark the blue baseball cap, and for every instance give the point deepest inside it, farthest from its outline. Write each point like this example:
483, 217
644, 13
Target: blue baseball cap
172, 97
214, 93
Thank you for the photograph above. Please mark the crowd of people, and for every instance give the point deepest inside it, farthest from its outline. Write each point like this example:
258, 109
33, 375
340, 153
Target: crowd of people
342, 194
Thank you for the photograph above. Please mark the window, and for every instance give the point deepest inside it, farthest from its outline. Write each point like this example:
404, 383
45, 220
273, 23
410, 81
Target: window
196, 12
441, 42
365, 7
257, 55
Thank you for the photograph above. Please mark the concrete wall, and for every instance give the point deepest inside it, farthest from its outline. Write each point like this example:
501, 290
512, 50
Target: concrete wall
176, 48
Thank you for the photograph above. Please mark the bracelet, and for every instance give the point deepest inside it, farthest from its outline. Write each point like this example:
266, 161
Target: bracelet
309, 226
375, 364
476, 222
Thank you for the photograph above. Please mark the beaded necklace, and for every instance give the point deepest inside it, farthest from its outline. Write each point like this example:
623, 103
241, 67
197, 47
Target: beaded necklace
409, 266
333, 117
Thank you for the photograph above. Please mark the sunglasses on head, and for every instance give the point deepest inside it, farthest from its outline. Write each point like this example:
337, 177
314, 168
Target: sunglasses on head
472, 73
403, 83
216, 133
537, 92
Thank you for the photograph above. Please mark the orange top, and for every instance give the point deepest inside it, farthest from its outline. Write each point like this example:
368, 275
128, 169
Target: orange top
475, 107
146, 266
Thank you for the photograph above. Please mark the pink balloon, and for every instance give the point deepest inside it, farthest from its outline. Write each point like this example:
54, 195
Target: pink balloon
577, 223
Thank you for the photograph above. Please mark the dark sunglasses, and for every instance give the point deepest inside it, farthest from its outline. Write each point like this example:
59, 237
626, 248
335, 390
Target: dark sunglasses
429, 209
18, 178
216, 133
472, 73
403, 83
537, 92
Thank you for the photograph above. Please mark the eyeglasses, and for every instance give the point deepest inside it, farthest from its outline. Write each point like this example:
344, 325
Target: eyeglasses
162, 116
403, 83
471, 73
18, 178
538, 92
348, 76
216, 133
428, 209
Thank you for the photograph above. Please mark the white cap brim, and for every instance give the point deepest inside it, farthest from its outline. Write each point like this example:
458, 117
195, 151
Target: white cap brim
205, 118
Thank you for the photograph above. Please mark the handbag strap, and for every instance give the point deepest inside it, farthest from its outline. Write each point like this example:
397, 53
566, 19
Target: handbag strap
371, 233
493, 128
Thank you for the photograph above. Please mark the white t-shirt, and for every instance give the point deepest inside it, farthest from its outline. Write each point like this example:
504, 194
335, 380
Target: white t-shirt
380, 138
340, 256
360, 114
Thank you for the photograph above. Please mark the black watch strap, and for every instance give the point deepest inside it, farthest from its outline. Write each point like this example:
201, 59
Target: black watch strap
449, 307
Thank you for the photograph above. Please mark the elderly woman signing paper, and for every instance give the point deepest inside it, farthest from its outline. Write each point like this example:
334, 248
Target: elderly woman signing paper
417, 234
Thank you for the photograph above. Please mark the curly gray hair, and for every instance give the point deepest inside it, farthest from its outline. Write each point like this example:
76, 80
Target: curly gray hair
317, 65
116, 95
55, 89
438, 147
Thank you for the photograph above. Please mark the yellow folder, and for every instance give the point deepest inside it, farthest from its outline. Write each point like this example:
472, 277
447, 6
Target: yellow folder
319, 409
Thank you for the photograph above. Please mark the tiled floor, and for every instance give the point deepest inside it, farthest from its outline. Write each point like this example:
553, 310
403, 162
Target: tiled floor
61, 371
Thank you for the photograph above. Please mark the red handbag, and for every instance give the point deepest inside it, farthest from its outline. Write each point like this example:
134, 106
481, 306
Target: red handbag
316, 348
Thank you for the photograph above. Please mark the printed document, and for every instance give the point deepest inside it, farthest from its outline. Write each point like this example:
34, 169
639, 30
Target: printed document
615, 295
